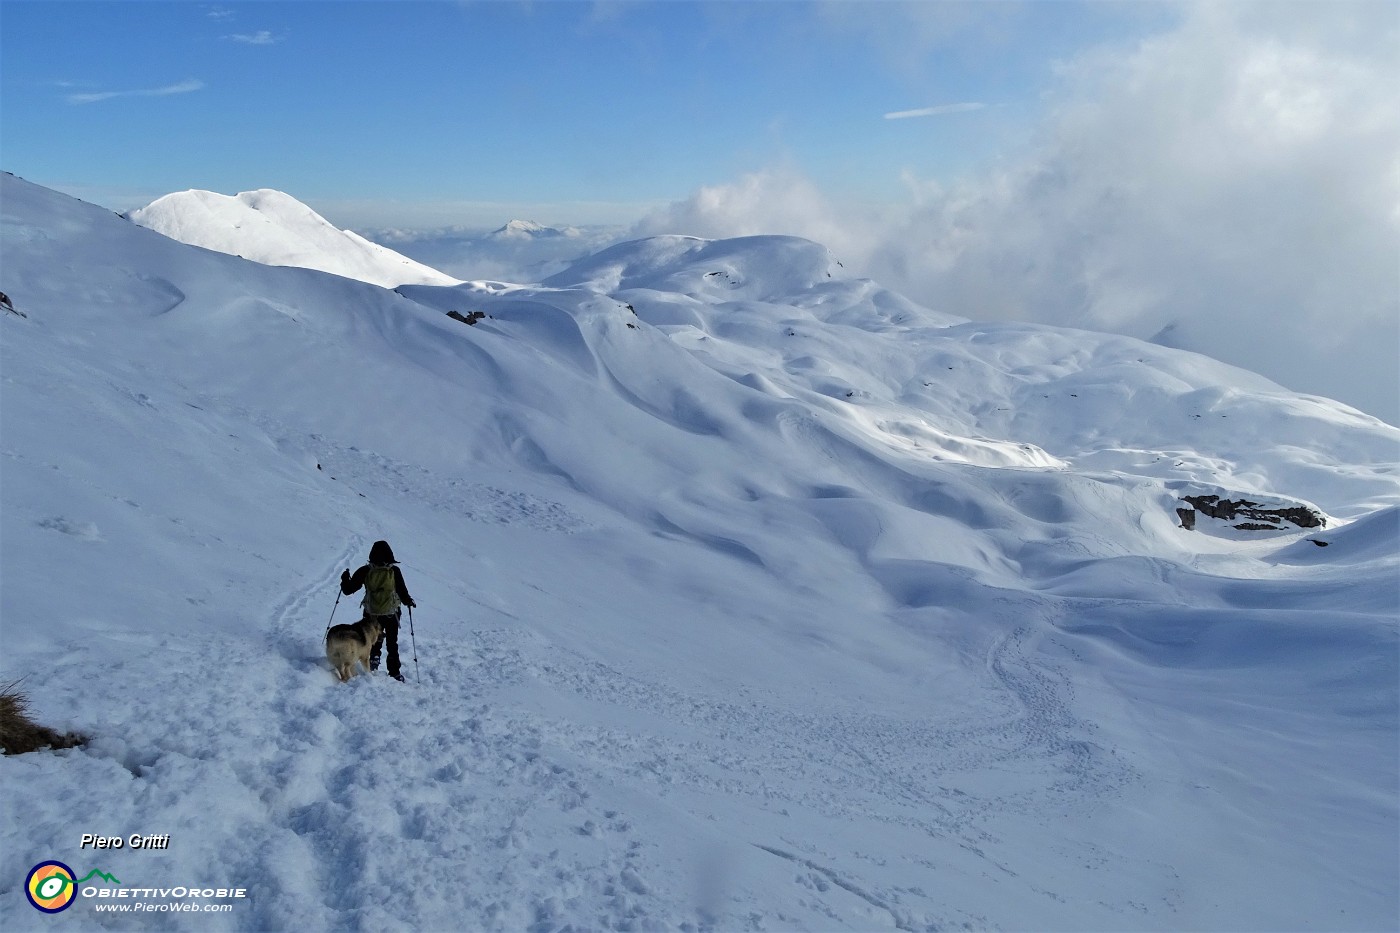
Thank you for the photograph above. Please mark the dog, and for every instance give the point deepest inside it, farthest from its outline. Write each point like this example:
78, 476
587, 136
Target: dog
348, 644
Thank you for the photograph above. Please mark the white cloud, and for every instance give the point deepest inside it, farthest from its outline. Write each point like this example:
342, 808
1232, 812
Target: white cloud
183, 87
1231, 185
778, 201
261, 37
938, 111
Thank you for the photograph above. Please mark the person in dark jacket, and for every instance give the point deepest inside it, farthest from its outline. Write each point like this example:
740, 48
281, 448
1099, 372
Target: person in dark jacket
385, 593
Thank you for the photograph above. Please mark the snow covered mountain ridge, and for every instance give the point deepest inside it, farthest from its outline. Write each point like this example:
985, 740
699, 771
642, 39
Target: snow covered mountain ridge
750, 594
529, 230
274, 228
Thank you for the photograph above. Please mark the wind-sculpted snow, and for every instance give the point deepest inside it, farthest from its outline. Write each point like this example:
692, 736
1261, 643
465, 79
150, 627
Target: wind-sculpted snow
749, 596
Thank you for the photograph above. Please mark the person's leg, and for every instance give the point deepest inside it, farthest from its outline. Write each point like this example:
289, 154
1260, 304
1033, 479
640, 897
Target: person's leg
391, 639
375, 650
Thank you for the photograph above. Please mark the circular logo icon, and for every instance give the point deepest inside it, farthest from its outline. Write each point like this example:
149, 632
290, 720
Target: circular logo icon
50, 887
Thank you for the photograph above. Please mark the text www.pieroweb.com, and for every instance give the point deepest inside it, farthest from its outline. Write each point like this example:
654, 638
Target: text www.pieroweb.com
179, 907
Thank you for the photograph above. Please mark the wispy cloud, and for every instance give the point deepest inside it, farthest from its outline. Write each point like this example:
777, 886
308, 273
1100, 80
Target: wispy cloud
938, 111
220, 13
184, 87
261, 37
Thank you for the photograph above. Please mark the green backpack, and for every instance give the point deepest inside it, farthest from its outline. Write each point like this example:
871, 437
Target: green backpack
381, 591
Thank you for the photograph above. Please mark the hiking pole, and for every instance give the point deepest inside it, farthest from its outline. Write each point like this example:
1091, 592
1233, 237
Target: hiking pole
414, 638
333, 609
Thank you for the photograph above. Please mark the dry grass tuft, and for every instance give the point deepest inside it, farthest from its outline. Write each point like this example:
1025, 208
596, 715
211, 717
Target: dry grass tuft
20, 734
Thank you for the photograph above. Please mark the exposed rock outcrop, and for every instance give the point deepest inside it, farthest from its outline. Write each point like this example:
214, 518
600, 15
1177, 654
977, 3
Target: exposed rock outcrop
1251, 516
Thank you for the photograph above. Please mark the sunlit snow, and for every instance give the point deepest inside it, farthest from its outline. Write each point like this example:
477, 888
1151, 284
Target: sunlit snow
750, 595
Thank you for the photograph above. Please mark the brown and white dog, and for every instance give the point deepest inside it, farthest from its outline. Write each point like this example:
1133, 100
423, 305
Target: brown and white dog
348, 644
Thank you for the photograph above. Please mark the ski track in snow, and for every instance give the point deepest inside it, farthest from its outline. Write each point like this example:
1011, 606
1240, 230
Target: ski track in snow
851, 768
335, 808
352, 786
858, 757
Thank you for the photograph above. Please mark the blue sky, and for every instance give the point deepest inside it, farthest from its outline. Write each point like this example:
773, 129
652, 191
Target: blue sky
588, 111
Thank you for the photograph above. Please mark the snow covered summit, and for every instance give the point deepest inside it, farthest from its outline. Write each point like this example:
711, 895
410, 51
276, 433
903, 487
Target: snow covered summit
276, 229
529, 230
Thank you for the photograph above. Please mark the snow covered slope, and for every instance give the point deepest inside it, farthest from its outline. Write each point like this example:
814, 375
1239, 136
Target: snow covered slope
751, 596
274, 228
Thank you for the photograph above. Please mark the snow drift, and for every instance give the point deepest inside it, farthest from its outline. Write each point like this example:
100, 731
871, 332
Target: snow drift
752, 595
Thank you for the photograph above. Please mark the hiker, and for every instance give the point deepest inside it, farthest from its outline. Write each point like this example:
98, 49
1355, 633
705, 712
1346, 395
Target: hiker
385, 592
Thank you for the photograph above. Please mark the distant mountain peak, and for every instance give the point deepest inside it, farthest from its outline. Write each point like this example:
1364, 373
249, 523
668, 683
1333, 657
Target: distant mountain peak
529, 230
